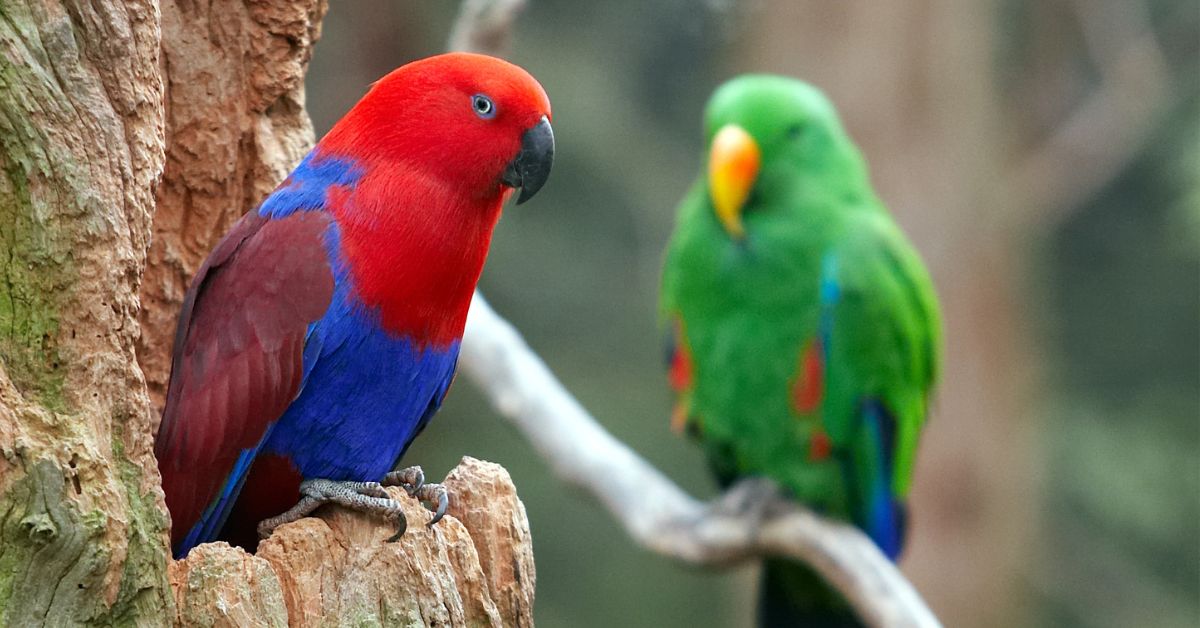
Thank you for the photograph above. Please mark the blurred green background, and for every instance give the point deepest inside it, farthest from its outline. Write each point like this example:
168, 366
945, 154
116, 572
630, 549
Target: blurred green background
1044, 156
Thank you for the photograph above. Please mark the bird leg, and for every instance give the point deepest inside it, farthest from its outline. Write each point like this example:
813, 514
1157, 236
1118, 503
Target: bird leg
412, 479
368, 497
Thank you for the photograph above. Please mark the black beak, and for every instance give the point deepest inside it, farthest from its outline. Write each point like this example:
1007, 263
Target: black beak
531, 167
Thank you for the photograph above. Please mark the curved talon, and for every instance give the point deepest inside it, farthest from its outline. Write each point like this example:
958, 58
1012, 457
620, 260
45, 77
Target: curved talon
754, 496
400, 529
443, 504
306, 505
431, 493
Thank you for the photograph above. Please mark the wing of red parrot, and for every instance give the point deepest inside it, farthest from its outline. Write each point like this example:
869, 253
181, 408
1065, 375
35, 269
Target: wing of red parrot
238, 362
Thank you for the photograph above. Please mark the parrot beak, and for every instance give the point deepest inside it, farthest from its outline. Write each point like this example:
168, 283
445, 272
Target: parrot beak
733, 164
531, 167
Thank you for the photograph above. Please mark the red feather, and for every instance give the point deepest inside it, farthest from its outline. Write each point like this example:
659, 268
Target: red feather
272, 486
819, 445
680, 373
810, 385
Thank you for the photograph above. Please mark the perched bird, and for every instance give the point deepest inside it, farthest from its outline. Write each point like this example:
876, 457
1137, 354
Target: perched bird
805, 330
321, 334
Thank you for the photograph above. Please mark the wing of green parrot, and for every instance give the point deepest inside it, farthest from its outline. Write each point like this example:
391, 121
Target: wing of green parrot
879, 341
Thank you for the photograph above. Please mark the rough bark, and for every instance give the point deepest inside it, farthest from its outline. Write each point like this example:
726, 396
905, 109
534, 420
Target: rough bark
474, 568
235, 126
82, 531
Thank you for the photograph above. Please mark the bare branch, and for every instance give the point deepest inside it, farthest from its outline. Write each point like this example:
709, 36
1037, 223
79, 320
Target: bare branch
1107, 131
484, 26
654, 511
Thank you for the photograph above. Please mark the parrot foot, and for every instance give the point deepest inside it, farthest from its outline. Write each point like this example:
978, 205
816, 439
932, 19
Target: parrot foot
753, 496
368, 497
412, 479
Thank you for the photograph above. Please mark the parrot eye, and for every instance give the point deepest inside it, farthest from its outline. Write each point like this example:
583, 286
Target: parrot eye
795, 131
483, 106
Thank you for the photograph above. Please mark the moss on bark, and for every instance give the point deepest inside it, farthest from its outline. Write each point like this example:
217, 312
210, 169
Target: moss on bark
34, 266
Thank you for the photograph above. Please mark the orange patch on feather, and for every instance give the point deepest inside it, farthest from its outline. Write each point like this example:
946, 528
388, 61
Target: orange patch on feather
819, 445
810, 385
679, 417
680, 374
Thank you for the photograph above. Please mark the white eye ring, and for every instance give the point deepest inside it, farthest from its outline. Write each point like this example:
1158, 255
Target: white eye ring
483, 106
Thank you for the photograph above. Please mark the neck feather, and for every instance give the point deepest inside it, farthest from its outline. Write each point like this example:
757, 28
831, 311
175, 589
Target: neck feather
415, 248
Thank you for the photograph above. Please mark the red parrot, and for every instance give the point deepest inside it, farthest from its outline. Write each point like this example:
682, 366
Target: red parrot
321, 334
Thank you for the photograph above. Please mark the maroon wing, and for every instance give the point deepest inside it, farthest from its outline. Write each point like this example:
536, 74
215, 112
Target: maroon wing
238, 357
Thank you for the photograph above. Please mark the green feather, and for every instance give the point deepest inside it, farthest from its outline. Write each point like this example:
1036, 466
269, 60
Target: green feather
748, 308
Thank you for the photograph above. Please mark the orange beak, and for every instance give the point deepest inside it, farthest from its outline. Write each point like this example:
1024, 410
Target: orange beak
733, 163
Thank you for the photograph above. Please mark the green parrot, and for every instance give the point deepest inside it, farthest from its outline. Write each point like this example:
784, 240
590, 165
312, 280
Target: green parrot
805, 331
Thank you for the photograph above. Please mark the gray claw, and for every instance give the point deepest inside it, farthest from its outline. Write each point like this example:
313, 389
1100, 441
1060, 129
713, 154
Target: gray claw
434, 493
400, 529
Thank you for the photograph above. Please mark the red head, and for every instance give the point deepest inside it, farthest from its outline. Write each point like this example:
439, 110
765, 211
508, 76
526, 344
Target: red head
463, 118
439, 143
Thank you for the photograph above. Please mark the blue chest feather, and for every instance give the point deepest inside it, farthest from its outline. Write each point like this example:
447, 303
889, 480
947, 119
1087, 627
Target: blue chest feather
366, 392
305, 188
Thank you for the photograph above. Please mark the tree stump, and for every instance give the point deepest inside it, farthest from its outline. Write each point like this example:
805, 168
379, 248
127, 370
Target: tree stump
474, 568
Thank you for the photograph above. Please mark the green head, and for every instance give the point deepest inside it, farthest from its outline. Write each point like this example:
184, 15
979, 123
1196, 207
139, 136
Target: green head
770, 138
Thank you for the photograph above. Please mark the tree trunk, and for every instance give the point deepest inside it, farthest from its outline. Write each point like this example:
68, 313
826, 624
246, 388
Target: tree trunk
119, 119
235, 126
82, 529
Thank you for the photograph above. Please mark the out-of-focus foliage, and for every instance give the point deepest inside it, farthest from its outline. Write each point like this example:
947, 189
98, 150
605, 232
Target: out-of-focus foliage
1122, 520
1111, 281
1119, 526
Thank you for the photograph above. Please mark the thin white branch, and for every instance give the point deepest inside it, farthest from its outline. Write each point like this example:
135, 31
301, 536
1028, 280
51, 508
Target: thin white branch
484, 26
654, 511
1105, 133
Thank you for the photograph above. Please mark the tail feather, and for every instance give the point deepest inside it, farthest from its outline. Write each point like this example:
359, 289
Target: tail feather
793, 595
881, 514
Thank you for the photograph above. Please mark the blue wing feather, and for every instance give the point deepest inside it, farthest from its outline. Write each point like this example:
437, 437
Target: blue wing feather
884, 519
